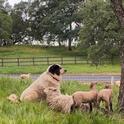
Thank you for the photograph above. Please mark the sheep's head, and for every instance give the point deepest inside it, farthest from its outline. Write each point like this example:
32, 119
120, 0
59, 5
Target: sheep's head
50, 90
93, 85
108, 86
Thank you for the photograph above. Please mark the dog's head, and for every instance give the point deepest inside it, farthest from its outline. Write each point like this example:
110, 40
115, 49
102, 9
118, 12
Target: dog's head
56, 69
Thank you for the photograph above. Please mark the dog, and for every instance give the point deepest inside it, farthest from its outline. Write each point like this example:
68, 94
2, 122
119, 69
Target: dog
25, 76
51, 78
86, 96
105, 95
58, 101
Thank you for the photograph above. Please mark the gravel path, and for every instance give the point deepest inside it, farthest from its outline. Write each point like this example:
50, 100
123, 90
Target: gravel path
88, 77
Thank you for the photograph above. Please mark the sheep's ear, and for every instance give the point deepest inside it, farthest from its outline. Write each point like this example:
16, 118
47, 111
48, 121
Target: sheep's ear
54, 89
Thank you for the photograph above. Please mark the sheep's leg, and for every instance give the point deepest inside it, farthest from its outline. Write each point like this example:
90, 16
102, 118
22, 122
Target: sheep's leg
98, 102
73, 108
110, 104
91, 108
107, 105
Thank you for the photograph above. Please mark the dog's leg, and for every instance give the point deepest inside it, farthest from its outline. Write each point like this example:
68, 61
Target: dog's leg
30, 96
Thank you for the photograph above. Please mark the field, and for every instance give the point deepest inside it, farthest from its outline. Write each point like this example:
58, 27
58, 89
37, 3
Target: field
32, 51
40, 113
37, 51
71, 69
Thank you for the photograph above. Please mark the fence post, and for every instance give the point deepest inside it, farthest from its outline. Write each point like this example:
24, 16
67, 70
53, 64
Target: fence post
33, 61
75, 60
47, 60
18, 61
112, 80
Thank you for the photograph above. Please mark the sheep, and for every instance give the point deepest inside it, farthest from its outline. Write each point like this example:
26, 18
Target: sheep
105, 95
25, 76
58, 101
90, 97
13, 98
117, 83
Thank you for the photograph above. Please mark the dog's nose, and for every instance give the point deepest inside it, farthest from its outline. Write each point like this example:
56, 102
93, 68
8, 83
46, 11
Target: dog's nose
65, 70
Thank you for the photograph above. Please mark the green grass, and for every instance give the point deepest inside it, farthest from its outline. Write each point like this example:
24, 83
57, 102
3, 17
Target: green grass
71, 69
35, 51
40, 113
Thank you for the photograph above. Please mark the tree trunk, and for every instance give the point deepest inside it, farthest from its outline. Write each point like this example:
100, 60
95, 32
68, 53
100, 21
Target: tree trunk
70, 38
59, 41
121, 89
119, 12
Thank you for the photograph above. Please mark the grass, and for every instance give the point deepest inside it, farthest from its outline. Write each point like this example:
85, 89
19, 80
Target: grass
40, 113
72, 69
36, 51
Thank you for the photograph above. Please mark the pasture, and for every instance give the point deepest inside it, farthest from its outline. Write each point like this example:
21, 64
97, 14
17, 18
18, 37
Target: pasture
40, 113
38, 67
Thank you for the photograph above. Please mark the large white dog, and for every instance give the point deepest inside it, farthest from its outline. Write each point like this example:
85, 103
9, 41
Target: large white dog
50, 78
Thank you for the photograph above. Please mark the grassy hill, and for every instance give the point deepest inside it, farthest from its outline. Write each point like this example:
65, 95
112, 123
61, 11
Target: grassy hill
38, 51
32, 51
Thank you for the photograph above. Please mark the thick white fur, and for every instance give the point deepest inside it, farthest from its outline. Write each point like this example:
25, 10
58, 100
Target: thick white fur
25, 76
58, 101
35, 91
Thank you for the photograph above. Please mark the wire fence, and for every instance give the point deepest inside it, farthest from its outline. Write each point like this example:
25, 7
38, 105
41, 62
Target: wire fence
35, 61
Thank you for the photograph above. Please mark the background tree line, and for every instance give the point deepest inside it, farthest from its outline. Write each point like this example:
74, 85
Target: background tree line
59, 20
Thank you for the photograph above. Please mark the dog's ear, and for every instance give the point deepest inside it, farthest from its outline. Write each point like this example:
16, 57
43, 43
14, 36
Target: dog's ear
54, 69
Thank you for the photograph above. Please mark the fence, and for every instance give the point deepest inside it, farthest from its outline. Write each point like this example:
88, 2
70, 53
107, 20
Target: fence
41, 61
45, 61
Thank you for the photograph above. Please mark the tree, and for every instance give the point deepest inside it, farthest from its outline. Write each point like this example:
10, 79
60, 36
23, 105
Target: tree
103, 29
118, 8
99, 33
19, 16
54, 18
5, 26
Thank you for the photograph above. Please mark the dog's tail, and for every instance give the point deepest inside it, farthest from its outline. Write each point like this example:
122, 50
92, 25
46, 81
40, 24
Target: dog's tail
13, 98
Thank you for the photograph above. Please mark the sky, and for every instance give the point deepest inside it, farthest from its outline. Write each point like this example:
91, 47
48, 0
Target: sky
12, 2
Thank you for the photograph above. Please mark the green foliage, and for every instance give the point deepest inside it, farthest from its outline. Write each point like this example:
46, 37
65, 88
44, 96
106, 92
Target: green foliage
54, 19
20, 22
100, 30
5, 26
